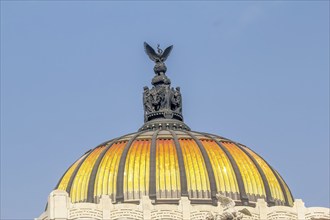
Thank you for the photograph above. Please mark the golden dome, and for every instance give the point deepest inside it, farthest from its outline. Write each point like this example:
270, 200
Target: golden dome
165, 160
167, 164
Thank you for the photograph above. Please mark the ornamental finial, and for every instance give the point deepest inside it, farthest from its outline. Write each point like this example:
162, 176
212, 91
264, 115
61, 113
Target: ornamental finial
162, 103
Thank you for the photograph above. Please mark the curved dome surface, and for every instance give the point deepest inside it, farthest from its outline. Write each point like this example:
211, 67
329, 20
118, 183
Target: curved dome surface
168, 164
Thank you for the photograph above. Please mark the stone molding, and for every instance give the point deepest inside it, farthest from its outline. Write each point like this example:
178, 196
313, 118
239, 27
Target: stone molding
60, 208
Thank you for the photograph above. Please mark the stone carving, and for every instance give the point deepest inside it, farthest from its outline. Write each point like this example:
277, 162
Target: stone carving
229, 210
210, 216
60, 207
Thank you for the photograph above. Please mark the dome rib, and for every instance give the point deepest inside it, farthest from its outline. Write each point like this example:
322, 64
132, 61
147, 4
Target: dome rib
183, 176
250, 174
80, 184
287, 203
287, 189
106, 177
200, 183
74, 174
68, 173
208, 165
238, 175
274, 185
152, 176
281, 185
91, 184
269, 198
121, 170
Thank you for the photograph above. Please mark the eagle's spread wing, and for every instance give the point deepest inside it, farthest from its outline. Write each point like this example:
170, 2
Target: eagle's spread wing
225, 202
150, 52
166, 53
245, 211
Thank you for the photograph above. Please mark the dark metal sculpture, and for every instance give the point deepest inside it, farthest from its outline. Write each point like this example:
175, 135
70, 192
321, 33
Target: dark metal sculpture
160, 98
159, 58
161, 101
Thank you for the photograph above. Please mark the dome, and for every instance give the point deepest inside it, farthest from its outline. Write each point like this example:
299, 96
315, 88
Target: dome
165, 160
167, 164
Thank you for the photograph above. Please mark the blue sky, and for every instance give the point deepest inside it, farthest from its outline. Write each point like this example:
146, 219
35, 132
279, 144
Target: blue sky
72, 75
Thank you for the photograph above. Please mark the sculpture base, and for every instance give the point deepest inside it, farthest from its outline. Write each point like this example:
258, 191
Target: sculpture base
163, 124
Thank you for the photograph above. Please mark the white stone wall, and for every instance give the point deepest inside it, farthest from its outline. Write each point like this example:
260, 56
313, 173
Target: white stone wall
60, 208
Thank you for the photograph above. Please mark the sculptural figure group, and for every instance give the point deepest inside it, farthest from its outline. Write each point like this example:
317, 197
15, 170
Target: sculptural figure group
162, 98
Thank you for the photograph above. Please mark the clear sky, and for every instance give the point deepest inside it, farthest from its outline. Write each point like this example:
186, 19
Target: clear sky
72, 76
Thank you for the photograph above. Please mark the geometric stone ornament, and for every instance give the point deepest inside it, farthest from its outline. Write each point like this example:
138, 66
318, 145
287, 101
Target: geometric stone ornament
60, 208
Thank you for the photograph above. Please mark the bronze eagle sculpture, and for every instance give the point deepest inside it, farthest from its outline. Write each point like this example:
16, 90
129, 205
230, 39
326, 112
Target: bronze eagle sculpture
158, 57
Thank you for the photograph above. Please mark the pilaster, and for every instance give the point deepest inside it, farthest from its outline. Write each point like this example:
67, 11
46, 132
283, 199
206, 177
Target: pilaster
146, 207
262, 208
107, 206
299, 206
58, 205
185, 206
